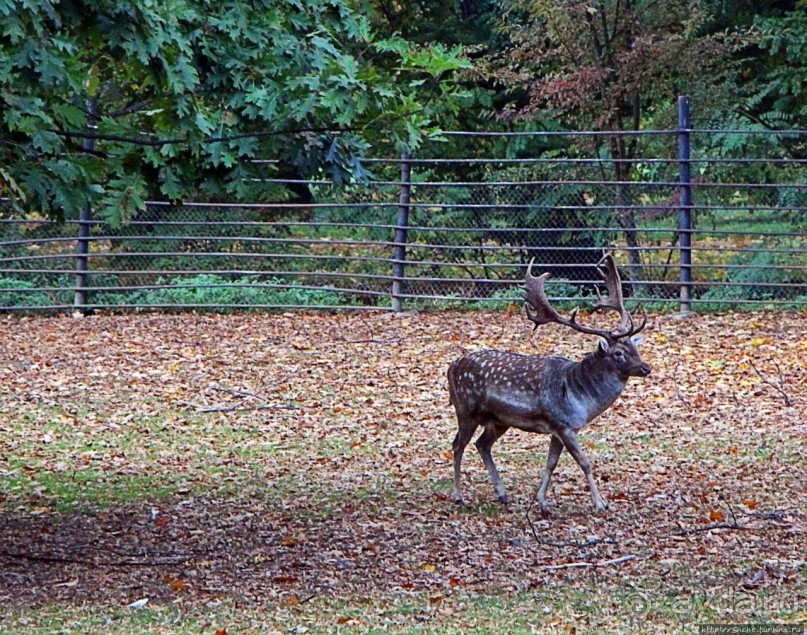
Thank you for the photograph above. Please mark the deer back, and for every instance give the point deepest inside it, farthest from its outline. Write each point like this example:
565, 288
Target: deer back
538, 393
524, 391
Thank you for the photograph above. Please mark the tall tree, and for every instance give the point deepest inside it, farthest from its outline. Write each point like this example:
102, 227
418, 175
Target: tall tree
781, 99
107, 102
608, 65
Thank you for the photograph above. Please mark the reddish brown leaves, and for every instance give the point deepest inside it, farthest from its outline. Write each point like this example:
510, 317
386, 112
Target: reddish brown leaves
176, 584
344, 492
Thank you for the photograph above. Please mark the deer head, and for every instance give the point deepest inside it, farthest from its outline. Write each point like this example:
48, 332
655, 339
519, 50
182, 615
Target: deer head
618, 345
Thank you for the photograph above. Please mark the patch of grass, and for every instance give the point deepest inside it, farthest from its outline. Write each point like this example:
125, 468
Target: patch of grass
113, 465
65, 491
115, 620
637, 606
225, 294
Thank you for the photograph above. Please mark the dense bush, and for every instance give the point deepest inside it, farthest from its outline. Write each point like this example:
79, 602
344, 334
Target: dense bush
14, 292
757, 280
218, 292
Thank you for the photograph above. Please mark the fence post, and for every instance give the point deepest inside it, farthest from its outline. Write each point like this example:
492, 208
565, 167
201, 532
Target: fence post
84, 218
401, 225
685, 205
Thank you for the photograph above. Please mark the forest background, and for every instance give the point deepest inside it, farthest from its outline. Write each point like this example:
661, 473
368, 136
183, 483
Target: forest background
181, 97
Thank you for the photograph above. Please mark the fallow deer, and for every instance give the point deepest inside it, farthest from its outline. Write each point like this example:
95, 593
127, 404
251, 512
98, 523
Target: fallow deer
498, 390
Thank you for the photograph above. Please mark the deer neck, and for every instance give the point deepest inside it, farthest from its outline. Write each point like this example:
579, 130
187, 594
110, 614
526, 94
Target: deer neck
595, 383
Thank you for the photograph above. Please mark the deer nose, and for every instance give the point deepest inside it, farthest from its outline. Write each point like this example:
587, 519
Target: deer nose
645, 369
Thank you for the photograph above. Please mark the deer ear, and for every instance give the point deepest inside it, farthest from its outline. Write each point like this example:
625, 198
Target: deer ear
637, 339
604, 347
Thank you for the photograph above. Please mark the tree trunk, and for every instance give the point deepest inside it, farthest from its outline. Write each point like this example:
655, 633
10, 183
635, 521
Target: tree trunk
625, 216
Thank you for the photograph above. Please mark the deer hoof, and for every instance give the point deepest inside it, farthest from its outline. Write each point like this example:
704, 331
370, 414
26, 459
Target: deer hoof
503, 499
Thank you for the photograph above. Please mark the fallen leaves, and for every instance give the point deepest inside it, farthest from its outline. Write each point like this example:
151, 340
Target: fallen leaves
177, 584
342, 488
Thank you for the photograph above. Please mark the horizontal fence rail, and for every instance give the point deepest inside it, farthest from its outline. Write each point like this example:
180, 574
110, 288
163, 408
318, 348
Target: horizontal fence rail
692, 227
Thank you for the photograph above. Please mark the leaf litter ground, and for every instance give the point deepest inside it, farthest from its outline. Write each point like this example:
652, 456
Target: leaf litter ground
291, 473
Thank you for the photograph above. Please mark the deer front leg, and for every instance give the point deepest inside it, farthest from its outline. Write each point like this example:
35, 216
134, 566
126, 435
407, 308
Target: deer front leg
555, 449
569, 439
483, 444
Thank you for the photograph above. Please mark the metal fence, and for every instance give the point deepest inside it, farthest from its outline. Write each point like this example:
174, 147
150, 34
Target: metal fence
699, 219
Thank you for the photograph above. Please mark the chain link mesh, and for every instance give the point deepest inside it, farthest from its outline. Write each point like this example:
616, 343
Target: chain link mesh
473, 226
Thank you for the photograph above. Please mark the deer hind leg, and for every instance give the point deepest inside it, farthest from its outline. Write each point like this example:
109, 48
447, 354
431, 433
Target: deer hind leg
555, 450
569, 439
483, 444
467, 427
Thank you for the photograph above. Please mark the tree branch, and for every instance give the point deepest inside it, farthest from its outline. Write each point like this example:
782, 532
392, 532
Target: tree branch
32, 557
778, 388
205, 409
163, 142
695, 530
581, 565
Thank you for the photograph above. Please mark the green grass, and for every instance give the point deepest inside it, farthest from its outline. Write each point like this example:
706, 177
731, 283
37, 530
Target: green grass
642, 609
66, 491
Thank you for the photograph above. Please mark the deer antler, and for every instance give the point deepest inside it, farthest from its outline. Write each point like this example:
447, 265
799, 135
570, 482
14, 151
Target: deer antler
613, 284
541, 312
614, 301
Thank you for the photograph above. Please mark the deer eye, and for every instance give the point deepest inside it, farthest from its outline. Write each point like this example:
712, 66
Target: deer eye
619, 355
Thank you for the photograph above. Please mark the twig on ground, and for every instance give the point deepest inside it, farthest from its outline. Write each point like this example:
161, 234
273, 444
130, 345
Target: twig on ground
774, 516
96, 563
695, 530
731, 509
249, 409
732, 525
14, 574
677, 389
237, 392
204, 409
780, 389
368, 340
582, 565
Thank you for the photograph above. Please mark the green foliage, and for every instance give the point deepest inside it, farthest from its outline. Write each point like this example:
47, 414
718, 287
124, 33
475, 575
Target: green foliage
749, 137
14, 292
503, 298
122, 200
781, 98
755, 280
182, 95
564, 295
221, 294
